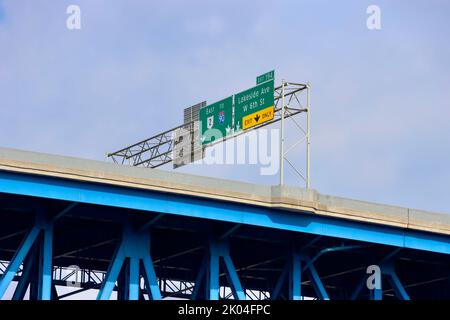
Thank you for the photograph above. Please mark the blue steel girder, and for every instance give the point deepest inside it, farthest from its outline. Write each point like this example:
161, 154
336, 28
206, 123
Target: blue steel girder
146, 200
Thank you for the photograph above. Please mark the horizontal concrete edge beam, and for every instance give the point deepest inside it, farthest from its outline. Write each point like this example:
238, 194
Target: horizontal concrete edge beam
284, 198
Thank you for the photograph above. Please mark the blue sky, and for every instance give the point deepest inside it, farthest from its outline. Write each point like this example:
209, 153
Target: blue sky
380, 99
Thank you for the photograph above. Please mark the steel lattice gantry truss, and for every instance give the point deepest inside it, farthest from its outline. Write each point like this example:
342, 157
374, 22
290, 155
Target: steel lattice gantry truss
152, 152
157, 150
134, 233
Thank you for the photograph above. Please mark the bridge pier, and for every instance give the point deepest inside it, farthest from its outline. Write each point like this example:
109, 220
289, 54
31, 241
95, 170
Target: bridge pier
296, 264
131, 260
295, 277
209, 272
387, 272
35, 253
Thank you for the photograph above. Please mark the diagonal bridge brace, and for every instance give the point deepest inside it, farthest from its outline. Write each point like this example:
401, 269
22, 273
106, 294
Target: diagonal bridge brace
35, 254
208, 275
296, 264
386, 270
131, 260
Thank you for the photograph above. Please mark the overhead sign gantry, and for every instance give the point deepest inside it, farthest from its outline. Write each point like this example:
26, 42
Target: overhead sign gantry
206, 125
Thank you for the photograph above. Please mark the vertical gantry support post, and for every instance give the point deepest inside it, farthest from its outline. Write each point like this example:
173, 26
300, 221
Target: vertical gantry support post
131, 253
308, 136
218, 251
35, 253
282, 135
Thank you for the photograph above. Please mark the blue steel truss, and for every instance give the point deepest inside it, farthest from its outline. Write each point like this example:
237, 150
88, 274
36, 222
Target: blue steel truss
35, 253
32, 262
209, 272
133, 252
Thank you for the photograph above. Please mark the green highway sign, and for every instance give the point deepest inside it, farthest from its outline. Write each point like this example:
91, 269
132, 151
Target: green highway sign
265, 77
251, 101
216, 120
251, 108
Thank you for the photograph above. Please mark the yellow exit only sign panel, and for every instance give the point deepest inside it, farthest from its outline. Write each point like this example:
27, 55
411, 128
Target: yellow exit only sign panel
257, 117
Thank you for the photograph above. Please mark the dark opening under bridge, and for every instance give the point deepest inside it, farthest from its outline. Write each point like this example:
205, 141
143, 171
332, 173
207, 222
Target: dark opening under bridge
147, 234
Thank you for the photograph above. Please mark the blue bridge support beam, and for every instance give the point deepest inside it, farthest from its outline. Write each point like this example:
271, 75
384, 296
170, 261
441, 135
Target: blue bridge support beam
296, 264
319, 288
208, 275
132, 258
295, 277
374, 294
377, 293
387, 272
35, 254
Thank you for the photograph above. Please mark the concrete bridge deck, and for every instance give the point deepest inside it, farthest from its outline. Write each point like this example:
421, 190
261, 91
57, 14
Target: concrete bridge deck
285, 198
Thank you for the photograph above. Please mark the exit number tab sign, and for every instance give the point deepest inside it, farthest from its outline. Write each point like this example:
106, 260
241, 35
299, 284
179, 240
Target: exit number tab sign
265, 77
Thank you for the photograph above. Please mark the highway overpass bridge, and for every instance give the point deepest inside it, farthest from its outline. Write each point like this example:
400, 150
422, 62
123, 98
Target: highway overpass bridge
135, 233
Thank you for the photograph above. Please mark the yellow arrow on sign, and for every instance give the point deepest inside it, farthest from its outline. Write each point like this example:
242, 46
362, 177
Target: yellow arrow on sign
257, 117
